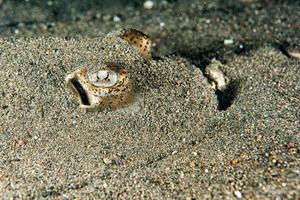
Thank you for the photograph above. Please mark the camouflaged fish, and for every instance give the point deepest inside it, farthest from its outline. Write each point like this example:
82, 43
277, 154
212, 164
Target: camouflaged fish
107, 86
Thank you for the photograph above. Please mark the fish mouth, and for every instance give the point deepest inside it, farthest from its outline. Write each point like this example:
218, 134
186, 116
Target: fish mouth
78, 90
84, 99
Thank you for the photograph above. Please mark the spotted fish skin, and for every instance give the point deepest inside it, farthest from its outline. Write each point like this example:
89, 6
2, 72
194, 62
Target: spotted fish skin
139, 40
108, 85
91, 96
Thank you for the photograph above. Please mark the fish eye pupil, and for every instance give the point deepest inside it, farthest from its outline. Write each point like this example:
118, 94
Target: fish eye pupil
102, 75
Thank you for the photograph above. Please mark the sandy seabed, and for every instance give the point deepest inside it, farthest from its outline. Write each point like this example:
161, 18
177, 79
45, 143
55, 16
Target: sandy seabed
178, 139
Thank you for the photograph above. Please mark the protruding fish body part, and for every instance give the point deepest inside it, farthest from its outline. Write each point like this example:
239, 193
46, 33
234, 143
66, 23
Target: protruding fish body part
105, 88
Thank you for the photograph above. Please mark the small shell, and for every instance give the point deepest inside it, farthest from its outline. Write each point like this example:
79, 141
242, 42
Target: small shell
138, 39
216, 77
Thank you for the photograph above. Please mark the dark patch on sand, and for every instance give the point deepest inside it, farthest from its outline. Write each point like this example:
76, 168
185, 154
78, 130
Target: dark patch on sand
226, 97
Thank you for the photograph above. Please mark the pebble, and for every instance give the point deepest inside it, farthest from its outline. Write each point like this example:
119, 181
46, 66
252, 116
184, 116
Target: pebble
238, 194
162, 24
49, 3
98, 15
107, 161
193, 164
284, 184
148, 5
228, 42
116, 18
291, 145
22, 142
234, 162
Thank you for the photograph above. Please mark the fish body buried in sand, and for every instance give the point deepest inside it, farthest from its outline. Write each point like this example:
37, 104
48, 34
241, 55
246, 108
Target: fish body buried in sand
108, 86
138, 39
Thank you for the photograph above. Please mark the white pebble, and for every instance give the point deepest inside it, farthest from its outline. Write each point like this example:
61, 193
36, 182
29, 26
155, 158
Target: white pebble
228, 42
17, 31
283, 184
162, 24
116, 18
50, 3
148, 5
238, 194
